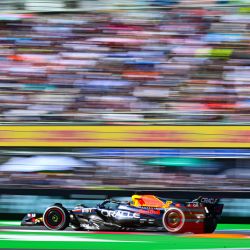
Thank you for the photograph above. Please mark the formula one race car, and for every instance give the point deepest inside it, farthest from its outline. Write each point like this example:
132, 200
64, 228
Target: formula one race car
143, 212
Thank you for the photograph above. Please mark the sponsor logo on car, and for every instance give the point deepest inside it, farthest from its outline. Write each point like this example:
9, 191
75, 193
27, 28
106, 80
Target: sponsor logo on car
209, 200
119, 214
86, 210
193, 204
149, 211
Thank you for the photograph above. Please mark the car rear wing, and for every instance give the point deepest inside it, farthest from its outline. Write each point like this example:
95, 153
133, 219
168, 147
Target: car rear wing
211, 205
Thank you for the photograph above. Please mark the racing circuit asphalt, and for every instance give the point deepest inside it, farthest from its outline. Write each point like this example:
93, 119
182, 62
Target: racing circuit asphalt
226, 237
145, 231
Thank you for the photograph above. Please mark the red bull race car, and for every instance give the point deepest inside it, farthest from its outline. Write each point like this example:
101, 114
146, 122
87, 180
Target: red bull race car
200, 215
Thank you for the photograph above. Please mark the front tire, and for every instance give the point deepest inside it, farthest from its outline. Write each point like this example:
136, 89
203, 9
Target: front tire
56, 218
174, 220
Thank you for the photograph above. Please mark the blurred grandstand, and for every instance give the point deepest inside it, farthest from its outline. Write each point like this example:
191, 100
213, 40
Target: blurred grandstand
123, 169
142, 62
125, 62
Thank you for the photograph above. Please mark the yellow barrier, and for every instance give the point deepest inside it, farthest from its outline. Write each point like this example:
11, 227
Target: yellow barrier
126, 136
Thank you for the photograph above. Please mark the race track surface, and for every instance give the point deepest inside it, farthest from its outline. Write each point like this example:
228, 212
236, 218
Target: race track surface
226, 237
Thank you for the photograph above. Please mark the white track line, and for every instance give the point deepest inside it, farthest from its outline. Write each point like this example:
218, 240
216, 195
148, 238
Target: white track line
43, 231
72, 232
20, 237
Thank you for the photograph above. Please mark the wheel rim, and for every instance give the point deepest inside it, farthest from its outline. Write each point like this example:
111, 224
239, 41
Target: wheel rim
173, 219
54, 217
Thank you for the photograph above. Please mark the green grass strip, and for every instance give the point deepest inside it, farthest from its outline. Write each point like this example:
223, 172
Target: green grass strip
9, 223
127, 241
233, 226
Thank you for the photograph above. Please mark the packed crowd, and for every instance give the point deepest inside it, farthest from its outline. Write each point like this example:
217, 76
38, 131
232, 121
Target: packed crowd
159, 66
123, 173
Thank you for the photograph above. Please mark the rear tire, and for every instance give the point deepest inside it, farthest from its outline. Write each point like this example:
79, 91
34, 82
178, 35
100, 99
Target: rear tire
56, 218
210, 225
174, 220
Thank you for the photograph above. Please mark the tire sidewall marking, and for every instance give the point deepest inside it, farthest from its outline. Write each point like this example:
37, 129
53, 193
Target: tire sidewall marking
47, 224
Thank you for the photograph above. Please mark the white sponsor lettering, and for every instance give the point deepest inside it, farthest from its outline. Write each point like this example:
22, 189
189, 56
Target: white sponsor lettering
208, 200
86, 210
193, 204
118, 213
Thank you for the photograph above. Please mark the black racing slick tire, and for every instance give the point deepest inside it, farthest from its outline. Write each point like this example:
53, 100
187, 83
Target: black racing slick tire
174, 220
56, 218
210, 225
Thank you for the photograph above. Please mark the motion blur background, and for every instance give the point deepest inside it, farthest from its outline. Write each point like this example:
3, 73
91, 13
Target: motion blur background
124, 63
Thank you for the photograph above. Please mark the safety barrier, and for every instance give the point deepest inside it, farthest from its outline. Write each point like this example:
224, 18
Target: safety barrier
14, 203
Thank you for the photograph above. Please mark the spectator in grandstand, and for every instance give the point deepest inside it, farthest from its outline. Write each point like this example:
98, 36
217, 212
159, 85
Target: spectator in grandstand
160, 65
